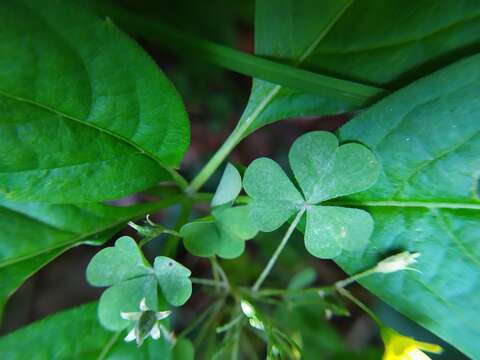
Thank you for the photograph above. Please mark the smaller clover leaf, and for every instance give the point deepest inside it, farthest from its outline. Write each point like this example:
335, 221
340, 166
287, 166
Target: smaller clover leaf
324, 171
125, 297
331, 229
275, 198
223, 234
113, 265
201, 237
131, 278
174, 280
229, 187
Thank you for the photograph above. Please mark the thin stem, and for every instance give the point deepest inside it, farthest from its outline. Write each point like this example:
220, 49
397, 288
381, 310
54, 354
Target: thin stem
277, 252
361, 305
200, 319
109, 346
216, 160
207, 282
171, 244
354, 278
230, 324
222, 274
206, 325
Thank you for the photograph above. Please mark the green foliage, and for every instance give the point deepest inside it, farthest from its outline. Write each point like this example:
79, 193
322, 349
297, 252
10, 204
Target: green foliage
78, 335
223, 234
97, 134
375, 42
131, 278
229, 187
34, 234
427, 139
86, 116
324, 171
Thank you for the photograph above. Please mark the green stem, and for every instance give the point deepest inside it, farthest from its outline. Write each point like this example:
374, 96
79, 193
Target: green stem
220, 270
277, 252
208, 282
361, 305
171, 244
354, 278
200, 319
235, 137
216, 160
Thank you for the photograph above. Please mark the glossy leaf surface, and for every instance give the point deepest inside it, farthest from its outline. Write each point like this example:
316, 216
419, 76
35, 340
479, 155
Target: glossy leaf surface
85, 114
35, 233
427, 137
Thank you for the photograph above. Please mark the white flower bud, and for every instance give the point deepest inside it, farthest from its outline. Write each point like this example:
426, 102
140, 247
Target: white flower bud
397, 262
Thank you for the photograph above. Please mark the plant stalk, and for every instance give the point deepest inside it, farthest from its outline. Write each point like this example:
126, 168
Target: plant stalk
277, 252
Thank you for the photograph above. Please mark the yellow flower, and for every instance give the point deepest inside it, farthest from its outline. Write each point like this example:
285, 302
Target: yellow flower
399, 347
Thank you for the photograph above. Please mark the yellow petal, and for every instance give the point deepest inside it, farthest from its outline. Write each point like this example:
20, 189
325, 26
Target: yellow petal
433, 348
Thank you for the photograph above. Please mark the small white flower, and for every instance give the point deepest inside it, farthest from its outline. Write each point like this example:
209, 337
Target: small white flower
146, 323
397, 262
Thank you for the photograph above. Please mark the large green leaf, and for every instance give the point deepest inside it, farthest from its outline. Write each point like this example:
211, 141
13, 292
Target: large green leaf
34, 234
427, 137
377, 42
85, 114
76, 334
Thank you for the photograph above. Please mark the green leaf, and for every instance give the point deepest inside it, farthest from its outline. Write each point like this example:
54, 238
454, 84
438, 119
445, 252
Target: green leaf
229, 187
76, 334
224, 234
174, 280
323, 171
371, 42
331, 229
131, 278
183, 350
34, 234
112, 126
116, 264
275, 198
126, 297
427, 137
302, 279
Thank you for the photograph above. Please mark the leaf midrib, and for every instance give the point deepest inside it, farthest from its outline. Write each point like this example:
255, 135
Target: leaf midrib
407, 204
80, 237
54, 111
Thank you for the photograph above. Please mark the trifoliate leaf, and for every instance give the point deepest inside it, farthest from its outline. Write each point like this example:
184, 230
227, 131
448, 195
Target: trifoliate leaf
115, 264
275, 198
229, 187
324, 171
331, 229
133, 278
223, 234
174, 280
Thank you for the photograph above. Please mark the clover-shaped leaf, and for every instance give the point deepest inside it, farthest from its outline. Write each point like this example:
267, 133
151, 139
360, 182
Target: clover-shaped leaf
113, 265
223, 234
174, 280
323, 171
229, 187
131, 278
